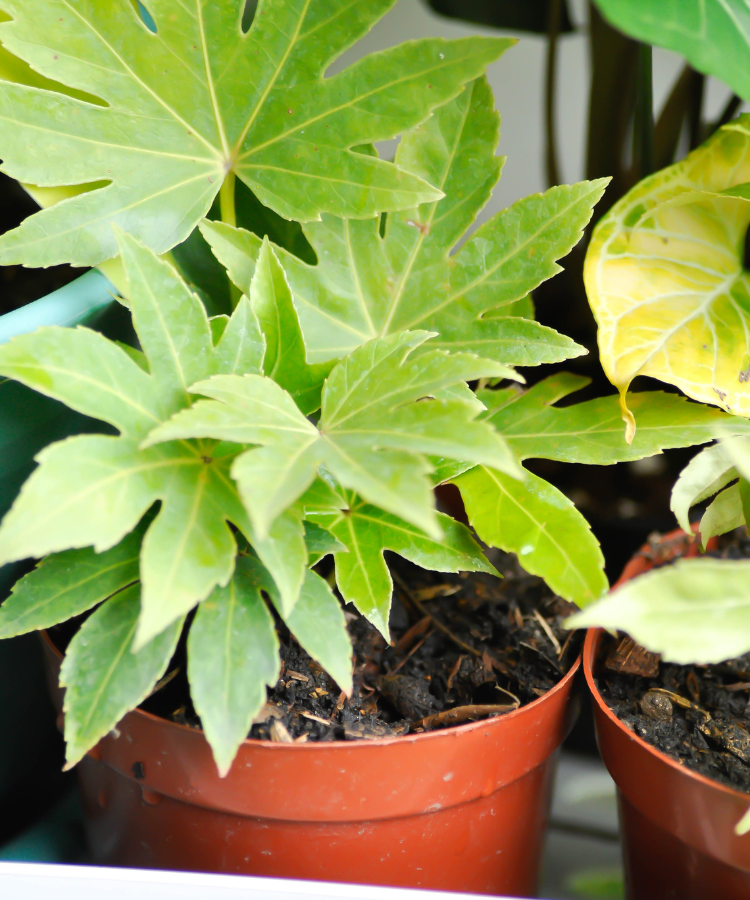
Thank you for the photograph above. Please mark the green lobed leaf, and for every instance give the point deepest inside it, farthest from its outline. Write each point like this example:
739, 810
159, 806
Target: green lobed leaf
233, 653
366, 286
67, 584
285, 356
102, 675
320, 543
696, 611
362, 575
537, 522
372, 435
182, 107
713, 35
591, 432
92, 490
705, 475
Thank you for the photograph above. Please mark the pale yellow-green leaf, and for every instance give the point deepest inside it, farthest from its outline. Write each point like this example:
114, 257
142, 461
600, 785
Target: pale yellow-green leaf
665, 279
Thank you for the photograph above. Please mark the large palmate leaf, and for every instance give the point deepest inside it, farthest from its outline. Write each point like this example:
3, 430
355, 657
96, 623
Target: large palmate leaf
713, 35
537, 522
366, 285
94, 489
195, 100
696, 611
591, 432
362, 575
102, 675
379, 418
665, 278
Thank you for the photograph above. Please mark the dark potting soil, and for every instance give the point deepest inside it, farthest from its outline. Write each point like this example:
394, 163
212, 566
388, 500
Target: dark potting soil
466, 647
699, 715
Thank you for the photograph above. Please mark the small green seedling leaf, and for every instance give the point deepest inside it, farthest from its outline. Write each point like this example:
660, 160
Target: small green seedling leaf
233, 653
696, 611
67, 584
362, 575
536, 521
725, 513
179, 109
705, 475
366, 286
102, 675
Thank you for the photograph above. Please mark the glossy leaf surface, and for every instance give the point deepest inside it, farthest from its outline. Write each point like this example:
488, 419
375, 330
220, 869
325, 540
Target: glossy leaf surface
362, 575
696, 611
713, 35
102, 676
665, 278
537, 522
366, 286
176, 109
376, 426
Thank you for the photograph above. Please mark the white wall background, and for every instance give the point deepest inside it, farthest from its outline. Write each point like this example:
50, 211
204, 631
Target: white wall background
517, 80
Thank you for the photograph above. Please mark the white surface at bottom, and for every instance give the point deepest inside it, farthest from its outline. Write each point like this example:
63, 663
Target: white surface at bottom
37, 881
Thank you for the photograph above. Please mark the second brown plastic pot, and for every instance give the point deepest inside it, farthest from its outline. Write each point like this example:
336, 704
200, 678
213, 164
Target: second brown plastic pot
677, 826
464, 809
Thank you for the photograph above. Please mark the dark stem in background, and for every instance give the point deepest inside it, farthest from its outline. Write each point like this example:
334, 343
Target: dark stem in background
555, 19
695, 110
643, 124
728, 113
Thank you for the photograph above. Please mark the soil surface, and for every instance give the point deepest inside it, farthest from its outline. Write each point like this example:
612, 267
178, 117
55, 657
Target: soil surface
466, 647
699, 715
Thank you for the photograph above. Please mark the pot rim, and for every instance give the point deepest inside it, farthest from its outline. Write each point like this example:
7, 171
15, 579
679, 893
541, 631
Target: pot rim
349, 746
638, 565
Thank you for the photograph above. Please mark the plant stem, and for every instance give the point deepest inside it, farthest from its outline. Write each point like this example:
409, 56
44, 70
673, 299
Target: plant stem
643, 130
555, 16
229, 216
226, 199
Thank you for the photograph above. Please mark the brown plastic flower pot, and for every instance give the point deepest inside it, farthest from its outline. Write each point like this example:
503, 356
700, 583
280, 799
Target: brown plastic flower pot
463, 809
677, 826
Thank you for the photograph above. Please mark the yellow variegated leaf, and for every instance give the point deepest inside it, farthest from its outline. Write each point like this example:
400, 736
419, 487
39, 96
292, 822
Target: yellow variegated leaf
665, 278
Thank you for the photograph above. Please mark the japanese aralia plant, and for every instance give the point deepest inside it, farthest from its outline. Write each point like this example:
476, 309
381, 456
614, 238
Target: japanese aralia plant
318, 411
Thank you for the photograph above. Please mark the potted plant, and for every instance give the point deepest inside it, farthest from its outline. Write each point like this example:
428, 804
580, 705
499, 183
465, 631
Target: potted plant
666, 276
303, 408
